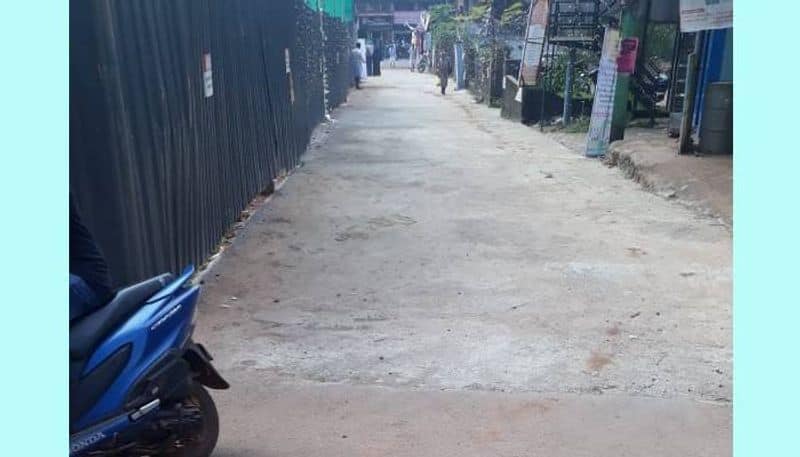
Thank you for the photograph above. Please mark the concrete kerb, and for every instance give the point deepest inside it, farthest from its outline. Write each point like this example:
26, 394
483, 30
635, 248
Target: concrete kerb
618, 156
630, 159
660, 170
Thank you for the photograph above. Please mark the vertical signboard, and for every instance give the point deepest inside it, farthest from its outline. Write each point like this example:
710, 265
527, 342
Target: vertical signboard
697, 15
458, 56
534, 43
602, 109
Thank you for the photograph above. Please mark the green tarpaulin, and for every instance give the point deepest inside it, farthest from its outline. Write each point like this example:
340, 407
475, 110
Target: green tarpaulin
340, 9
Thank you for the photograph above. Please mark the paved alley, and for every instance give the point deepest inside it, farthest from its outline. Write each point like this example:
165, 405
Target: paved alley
436, 281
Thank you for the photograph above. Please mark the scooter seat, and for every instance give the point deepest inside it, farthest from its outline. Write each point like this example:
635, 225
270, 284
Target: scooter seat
87, 332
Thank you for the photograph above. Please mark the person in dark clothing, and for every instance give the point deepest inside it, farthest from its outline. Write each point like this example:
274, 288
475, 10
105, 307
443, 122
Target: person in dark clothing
444, 70
377, 57
89, 280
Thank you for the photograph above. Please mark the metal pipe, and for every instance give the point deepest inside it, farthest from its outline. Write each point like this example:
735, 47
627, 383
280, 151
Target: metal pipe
567, 114
685, 137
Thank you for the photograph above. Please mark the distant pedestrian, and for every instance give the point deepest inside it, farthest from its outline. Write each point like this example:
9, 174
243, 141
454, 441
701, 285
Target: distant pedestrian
416, 46
377, 57
357, 64
445, 68
370, 68
392, 55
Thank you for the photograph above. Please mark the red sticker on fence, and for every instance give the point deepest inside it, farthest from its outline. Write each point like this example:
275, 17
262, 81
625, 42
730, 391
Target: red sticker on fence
626, 62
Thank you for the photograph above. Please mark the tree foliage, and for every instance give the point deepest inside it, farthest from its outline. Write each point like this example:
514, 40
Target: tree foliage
660, 40
479, 12
585, 63
514, 18
445, 26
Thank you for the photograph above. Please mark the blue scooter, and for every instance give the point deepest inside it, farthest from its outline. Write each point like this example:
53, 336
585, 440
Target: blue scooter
137, 378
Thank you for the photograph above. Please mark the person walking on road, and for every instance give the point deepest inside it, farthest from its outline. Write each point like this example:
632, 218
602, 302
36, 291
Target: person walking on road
357, 64
370, 68
415, 47
444, 70
392, 55
377, 57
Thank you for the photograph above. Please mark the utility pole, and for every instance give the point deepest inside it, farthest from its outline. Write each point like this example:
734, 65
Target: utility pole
633, 24
491, 33
685, 145
567, 115
496, 8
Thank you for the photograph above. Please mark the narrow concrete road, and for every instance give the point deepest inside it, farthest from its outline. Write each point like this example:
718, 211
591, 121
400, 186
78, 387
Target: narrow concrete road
435, 281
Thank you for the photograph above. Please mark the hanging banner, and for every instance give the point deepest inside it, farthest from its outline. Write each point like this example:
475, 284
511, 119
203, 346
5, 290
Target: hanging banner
697, 15
534, 43
603, 107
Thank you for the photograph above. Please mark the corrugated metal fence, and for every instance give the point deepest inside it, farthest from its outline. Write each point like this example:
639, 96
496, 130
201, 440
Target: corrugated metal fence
161, 169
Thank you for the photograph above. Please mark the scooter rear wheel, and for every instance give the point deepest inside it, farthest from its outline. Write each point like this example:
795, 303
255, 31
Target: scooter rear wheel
204, 437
